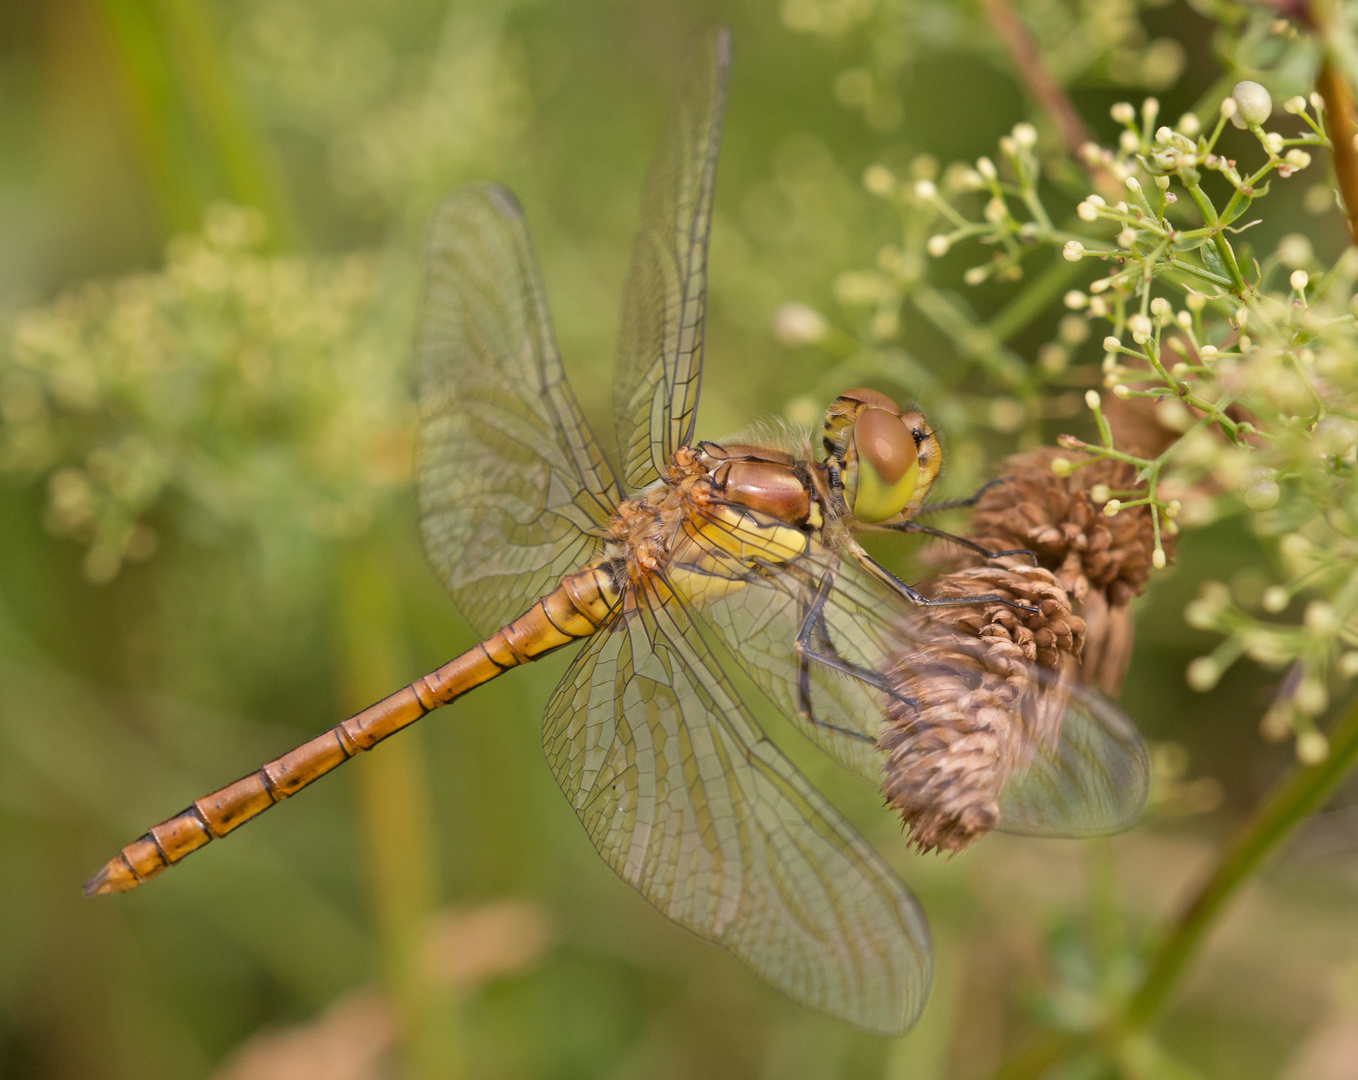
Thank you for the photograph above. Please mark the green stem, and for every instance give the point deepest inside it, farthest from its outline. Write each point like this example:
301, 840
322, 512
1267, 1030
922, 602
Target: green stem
1302, 793
1219, 241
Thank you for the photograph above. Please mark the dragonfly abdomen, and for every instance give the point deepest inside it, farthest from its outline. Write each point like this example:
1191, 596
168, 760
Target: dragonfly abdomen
574, 609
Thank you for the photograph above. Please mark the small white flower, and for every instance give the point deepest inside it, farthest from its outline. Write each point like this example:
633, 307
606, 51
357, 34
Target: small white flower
1158, 558
1184, 319
1122, 391
1075, 299
1025, 135
1229, 108
1130, 141
1207, 352
1087, 211
1274, 142
798, 324
1162, 182
1111, 343
1098, 307
938, 245
1140, 327
1190, 125
1299, 280
1099, 285
1150, 109
1254, 103
975, 275
924, 189
1160, 308
1298, 158
1163, 134
1123, 113
986, 168
1294, 250
1127, 237
1092, 399
1317, 102
1295, 105
1195, 301
1073, 251
1133, 184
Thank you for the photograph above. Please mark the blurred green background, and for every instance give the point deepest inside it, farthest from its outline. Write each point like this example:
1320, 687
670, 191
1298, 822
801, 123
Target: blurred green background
210, 217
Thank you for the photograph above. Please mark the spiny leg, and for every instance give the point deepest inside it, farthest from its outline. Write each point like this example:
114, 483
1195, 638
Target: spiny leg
962, 541
813, 625
959, 504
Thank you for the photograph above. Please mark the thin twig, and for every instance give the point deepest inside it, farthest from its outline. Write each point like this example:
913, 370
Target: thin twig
1005, 21
1334, 89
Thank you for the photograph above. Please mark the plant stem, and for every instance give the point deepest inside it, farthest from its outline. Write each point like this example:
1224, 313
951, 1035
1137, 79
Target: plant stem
1339, 121
1301, 793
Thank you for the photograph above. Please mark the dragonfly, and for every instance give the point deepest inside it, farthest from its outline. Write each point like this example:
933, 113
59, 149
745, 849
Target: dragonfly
541, 544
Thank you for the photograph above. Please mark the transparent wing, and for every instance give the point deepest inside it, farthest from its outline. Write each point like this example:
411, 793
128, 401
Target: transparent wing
689, 803
759, 624
661, 347
1074, 764
513, 488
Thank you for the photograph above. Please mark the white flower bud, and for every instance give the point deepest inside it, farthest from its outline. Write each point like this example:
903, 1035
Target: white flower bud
879, 180
924, 189
1203, 673
1207, 352
1140, 326
1295, 105
1087, 211
1298, 158
1320, 618
975, 275
1274, 599
1008, 146
1111, 507
1312, 746
1294, 250
1100, 285
1073, 251
1160, 308
1150, 109
1274, 141
1092, 399
986, 168
1162, 182
1190, 125
1123, 113
1299, 280
1348, 664
938, 245
798, 324
1317, 102
1098, 307
1075, 300
1129, 141
996, 211
1254, 103
1025, 135
1195, 301
1184, 319
1262, 494
1122, 391
1163, 134
1133, 184
1158, 558
1111, 343
1127, 237
1229, 108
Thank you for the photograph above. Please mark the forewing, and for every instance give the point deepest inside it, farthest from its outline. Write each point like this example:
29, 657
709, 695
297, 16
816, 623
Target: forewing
513, 488
691, 805
660, 352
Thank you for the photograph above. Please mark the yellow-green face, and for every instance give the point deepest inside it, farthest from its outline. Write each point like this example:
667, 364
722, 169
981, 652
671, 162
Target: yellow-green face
888, 459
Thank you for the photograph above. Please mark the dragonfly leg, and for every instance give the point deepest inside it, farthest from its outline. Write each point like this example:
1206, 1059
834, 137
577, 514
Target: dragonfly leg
813, 643
959, 504
962, 541
920, 600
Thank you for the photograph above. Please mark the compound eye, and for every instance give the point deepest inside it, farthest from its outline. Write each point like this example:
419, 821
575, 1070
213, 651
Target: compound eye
888, 466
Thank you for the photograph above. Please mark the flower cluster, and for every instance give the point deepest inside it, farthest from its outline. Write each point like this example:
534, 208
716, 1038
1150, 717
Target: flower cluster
242, 386
1229, 378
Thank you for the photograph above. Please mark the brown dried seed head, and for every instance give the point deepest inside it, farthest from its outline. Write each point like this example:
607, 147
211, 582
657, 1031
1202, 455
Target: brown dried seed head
1103, 562
976, 712
1058, 520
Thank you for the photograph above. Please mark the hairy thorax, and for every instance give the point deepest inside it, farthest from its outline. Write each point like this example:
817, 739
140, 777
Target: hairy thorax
720, 512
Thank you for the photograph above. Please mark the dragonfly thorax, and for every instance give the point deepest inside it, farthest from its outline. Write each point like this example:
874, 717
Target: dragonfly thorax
886, 457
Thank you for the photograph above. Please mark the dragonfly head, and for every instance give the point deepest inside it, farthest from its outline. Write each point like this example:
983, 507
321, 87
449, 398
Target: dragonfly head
888, 458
